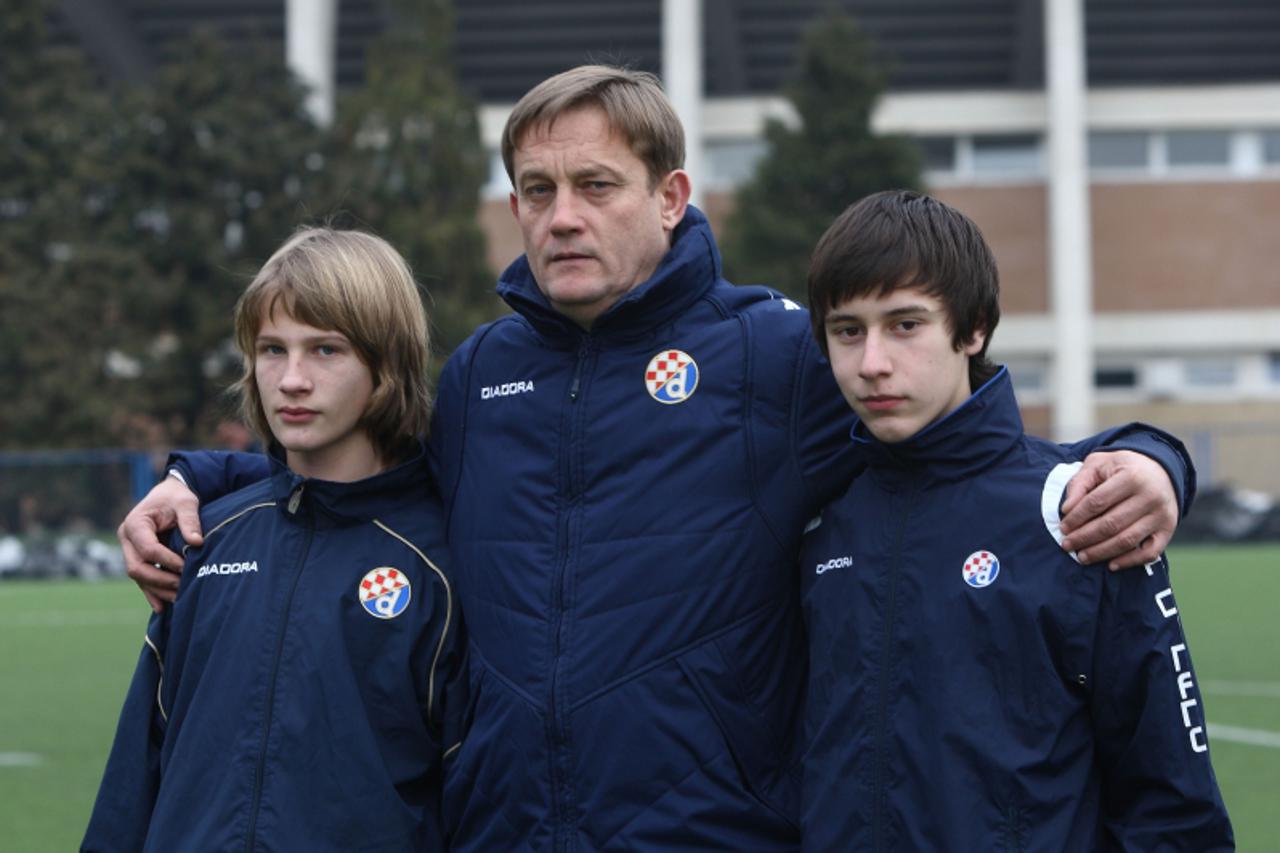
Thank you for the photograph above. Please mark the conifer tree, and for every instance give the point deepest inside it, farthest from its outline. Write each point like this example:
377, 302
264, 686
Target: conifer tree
217, 164
815, 171
59, 307
413, 165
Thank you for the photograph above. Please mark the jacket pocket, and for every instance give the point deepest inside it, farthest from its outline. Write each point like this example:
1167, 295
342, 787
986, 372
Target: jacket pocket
749, 681
492, 796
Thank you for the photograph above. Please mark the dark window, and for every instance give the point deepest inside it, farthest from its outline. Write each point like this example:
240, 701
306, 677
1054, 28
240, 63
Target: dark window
1117, 150
1115, 377
1271, 146
1013, 154
1199, 148
939, 153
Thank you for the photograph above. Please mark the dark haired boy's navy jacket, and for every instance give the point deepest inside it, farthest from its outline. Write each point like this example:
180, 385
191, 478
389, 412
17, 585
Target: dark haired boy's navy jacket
294, 698
625, 507
971, 687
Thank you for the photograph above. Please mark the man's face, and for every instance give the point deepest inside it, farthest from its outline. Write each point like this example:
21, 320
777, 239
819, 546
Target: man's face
893, 359
593, 227
314, 390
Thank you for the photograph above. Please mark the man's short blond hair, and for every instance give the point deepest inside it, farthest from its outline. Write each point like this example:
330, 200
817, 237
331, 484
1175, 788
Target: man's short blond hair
633, 101
356, 284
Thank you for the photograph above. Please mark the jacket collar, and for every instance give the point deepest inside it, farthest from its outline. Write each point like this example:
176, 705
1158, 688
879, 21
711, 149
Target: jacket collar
688, 270
326, 503
966, 441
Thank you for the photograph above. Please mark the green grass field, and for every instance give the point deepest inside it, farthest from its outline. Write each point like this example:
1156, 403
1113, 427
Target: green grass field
67, 650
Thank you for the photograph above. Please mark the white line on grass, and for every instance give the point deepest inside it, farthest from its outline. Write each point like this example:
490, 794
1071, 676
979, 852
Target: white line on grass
1264, 689
1254, 737
63, 618
20, 759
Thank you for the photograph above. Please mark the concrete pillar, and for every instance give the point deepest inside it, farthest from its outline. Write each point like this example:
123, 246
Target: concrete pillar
311, 28
1070, 248
682, 78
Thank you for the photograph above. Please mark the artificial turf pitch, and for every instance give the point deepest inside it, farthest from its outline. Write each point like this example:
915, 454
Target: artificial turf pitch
67, 650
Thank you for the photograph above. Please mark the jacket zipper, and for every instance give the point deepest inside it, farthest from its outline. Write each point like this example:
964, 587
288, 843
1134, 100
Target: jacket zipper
259, 771
562, 786
879, 813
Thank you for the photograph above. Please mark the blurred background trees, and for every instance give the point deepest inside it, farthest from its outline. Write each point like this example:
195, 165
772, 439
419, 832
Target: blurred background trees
131, 218
814, 171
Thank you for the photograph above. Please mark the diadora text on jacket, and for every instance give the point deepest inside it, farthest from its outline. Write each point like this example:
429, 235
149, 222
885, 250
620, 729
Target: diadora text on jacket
294, 696
971, 687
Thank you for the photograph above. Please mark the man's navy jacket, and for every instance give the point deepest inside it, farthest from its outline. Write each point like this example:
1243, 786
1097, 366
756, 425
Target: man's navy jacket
294, 697
971, 687
625, 507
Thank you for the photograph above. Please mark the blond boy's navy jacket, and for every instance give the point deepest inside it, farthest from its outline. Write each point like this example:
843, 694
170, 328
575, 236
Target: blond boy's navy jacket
973, 688
294, 698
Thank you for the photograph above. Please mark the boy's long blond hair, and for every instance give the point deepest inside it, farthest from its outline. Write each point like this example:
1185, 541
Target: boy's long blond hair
356, 284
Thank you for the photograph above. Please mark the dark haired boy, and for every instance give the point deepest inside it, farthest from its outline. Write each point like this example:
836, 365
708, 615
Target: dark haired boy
971, 688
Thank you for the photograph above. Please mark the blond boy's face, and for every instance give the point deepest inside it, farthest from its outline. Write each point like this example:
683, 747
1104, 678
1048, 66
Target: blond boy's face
894, 361
314, 390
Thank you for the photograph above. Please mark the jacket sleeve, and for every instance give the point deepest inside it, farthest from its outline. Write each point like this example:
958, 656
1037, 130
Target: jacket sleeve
122, 812
1155, 443
1158, 786
214, 473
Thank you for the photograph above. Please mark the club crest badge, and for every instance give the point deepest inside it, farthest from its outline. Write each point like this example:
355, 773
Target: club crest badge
671, 377
981, 569
385, 592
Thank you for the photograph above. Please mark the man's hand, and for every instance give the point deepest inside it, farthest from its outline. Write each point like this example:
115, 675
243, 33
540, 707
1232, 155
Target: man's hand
153, 567
1120, 507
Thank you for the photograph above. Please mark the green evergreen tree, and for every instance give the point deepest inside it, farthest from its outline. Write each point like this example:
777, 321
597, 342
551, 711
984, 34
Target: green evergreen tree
815, 171
216, 164
413, 165
59, 306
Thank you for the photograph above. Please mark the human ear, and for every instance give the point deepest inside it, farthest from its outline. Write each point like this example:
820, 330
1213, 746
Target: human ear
674, 191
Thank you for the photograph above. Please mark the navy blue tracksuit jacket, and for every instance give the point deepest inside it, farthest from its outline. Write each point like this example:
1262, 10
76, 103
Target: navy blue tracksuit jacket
294, 697
625, 506
971, 687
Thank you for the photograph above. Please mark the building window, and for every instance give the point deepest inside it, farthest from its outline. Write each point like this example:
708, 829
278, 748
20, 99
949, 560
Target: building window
730, 163
499, 185
1110, 150
1115, 377
1210, 372
1008, 155
1273, 367
1028, 375
938, 153
1199, 148
1271, 147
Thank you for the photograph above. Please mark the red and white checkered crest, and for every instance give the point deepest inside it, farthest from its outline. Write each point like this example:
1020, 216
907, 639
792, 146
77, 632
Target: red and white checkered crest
671, 376
381, 581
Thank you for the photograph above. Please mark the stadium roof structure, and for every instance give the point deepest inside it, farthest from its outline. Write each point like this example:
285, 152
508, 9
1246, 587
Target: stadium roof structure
505, 46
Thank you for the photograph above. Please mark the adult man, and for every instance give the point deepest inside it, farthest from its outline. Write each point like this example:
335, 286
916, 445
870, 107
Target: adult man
628, 463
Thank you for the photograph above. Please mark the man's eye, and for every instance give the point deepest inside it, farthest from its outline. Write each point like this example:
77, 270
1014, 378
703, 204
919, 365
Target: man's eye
908, 325
598, 186
536, 190
270, 349
327, 349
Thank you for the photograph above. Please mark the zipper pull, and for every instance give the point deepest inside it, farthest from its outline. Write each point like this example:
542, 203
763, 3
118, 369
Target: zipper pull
295, 499
573, 389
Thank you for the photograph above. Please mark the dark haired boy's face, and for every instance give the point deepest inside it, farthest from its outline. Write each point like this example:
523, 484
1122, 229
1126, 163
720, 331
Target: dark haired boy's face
894, 362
